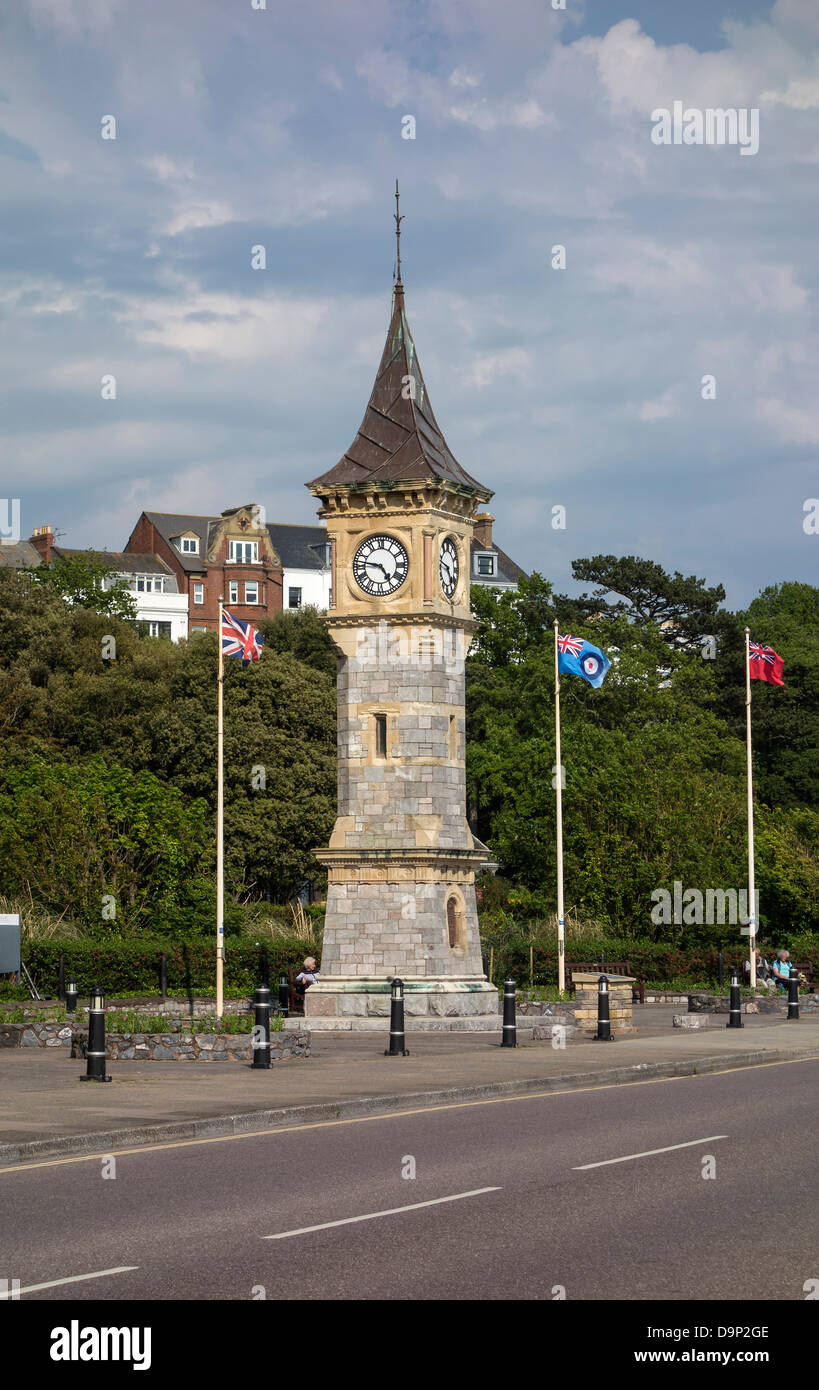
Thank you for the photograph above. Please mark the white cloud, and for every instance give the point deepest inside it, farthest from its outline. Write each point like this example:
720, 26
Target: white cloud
489, 367
660, 409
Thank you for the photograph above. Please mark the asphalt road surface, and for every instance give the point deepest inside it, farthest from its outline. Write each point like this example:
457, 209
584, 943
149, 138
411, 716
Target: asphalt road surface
592, 1195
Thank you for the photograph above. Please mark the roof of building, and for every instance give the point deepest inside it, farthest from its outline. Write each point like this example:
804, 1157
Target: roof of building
172, 524
399, 439
124, 561
298, 547
18, 555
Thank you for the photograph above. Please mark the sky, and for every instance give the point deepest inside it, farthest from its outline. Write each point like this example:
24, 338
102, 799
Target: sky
284, 127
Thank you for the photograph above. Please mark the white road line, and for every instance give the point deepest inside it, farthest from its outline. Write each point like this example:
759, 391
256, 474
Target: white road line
691, 1144
373, 1215
73, 1279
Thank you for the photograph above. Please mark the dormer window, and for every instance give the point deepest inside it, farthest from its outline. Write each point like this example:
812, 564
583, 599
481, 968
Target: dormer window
244, 552
324, 552
486, 564
189, 545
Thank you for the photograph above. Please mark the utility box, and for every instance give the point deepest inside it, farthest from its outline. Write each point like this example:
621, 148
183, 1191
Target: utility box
10, 943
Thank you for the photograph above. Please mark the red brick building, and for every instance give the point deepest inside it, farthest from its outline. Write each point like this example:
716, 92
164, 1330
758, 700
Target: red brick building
232, 555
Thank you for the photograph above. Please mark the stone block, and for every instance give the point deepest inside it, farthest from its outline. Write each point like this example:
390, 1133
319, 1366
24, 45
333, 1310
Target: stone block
692, 1023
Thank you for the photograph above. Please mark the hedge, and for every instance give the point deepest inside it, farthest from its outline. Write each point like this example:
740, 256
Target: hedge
656, 961
129, 967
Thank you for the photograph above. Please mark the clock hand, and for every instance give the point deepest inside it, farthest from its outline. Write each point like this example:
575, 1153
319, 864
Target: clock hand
373, 564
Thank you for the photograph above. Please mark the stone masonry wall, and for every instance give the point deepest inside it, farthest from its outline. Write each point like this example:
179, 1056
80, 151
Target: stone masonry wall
417, 794
160, 1047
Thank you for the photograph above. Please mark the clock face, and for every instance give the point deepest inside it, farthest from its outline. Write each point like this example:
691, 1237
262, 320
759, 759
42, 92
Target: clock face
448, 567
380, 565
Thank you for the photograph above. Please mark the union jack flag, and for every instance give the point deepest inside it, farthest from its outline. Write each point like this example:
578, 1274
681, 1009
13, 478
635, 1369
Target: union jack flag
240, 639
570, 644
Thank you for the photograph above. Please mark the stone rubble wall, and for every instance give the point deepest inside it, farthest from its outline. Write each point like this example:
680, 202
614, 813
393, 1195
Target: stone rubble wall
762, 1004
159, 1047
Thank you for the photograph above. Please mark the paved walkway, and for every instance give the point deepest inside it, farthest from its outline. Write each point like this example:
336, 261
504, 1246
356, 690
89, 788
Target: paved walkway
44, 1107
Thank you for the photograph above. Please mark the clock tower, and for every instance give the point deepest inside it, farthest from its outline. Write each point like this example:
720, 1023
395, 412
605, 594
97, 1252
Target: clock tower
401, 860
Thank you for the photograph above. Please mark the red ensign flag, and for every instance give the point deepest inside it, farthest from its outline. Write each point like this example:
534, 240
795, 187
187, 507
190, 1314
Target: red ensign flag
764, 664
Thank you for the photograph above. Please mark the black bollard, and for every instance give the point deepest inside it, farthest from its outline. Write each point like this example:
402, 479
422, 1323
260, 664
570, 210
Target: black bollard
720, 970
163, 978
261, 1050
509, 1037
71, 996
793, 995
61, 980
603, 1033
284, 994
264, 969
95, 1071
735, 1006
397, 1037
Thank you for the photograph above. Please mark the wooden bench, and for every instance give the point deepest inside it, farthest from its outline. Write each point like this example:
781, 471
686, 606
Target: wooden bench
607, 967
296, 1005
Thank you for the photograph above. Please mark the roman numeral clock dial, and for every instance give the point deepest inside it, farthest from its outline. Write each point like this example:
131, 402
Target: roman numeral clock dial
448, 567
380, 566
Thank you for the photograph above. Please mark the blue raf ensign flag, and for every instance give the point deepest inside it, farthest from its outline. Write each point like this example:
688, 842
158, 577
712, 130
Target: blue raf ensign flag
577, 657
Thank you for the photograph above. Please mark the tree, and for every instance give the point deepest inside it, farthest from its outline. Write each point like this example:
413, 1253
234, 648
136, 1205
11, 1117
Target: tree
682, 606
122, 851
85, 579
655, 784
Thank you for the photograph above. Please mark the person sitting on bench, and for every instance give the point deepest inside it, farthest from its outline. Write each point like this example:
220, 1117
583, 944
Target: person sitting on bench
309, 974
763, 972
782, 968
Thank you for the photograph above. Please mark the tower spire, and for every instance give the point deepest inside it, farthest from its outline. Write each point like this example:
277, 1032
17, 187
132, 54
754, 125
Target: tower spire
399, 288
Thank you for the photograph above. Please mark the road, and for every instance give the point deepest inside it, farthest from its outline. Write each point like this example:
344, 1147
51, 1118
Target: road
195, 1220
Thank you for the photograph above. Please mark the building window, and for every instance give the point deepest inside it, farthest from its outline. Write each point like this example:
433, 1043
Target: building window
189, 545
154, 629
486, 565
381, 735
252, 591
294, 598
199, 593
233, 591
244, 552
452, 738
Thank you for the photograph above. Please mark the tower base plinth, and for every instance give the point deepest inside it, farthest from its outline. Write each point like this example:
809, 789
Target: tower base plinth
430, 1004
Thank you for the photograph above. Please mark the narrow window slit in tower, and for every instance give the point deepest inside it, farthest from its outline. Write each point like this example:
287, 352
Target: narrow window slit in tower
452, 737
381, 735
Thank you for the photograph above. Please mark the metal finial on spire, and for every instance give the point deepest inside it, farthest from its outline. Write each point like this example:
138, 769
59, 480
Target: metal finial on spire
398, 221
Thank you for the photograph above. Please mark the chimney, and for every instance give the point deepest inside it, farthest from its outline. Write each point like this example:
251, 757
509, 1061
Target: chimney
482, 530
43, 542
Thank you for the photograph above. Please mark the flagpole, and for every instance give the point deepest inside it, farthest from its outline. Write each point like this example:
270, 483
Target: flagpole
220, 828
751, 877
561, 944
